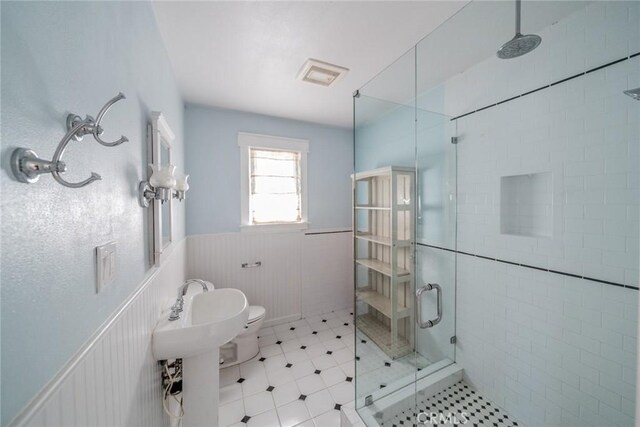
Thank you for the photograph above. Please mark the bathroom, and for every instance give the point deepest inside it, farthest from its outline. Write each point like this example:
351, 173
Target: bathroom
396, 213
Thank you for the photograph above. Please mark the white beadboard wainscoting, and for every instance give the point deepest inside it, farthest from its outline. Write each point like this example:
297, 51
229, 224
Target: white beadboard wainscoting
327, 272
113, 379
301, 273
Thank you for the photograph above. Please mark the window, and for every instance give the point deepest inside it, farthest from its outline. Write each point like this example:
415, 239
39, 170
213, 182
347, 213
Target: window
273, 182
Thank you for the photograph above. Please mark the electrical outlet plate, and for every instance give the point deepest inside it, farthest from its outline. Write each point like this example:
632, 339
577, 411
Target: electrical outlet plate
105, 265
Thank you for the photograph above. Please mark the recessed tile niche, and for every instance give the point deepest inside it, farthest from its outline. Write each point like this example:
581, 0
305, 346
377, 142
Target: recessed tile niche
526, 204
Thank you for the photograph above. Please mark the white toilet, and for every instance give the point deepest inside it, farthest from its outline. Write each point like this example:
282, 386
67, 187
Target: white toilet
245, 345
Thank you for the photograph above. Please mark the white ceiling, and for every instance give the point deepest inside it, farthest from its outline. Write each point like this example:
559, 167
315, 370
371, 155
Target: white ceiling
246, 55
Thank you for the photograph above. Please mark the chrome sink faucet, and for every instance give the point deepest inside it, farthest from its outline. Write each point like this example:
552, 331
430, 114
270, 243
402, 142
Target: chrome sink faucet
176, 308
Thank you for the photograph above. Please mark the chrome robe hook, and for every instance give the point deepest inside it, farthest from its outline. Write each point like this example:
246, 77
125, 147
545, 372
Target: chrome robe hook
27, 166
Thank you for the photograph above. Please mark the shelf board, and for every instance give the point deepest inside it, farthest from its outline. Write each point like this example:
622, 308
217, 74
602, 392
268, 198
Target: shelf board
382, 240
382, 172
383, 267
383, 208
381, 303
380, 334
373, 208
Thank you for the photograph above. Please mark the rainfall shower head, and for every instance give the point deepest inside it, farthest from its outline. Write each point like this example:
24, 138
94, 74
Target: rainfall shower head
634, 93
520, 44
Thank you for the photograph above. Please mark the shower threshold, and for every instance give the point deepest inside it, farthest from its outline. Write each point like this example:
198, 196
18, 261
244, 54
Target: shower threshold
443, 398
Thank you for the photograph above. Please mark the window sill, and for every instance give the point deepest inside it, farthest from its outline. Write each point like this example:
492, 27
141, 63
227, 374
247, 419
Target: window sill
274, 228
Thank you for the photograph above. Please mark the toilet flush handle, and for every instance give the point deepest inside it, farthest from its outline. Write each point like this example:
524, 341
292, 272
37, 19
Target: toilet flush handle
254, 265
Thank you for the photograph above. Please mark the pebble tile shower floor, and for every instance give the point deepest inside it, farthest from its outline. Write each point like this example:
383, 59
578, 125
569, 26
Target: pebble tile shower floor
458, 399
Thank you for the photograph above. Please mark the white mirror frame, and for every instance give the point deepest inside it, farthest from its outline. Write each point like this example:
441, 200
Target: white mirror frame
159, 132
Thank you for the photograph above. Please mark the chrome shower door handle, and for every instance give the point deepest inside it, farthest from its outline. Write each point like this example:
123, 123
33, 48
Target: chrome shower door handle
419, 291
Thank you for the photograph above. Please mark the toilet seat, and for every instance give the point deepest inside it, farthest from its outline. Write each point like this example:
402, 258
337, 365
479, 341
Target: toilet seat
256, 312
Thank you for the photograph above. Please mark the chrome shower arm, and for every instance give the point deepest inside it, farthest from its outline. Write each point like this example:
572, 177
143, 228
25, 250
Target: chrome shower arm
518, 15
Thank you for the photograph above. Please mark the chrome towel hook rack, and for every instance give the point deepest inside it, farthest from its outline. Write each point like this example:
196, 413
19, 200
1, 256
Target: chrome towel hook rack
27, 166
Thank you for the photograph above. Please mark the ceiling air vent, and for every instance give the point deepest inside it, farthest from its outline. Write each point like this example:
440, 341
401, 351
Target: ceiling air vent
321, 73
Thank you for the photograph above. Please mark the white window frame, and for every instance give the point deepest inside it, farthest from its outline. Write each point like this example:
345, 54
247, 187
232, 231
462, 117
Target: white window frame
246, 141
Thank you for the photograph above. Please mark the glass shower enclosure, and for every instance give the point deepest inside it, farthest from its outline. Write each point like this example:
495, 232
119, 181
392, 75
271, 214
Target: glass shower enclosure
496, 221
394, 352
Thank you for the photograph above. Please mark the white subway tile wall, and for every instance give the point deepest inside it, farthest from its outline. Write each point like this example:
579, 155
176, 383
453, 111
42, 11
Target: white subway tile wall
584, 132
546, 346
114, 380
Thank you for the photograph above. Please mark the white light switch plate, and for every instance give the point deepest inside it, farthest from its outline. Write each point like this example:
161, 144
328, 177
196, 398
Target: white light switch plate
105, 265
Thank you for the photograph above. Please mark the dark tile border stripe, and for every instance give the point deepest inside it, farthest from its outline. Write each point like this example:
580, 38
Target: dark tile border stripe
313, 233
577, 276
584, 73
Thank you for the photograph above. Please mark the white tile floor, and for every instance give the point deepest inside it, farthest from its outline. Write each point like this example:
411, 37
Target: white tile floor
302, 376
376, 370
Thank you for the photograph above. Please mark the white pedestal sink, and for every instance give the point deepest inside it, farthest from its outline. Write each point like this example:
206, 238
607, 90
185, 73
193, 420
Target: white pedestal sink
208, 320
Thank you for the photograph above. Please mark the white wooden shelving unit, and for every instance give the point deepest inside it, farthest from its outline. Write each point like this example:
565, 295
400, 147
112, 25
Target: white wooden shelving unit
383, 232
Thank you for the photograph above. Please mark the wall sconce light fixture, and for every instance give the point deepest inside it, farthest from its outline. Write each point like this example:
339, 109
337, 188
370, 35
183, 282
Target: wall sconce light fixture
27, 166
162, 185
182, 186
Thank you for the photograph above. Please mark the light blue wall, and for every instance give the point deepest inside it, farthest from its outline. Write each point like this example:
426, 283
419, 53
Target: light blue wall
213, 160
61, 57
385, 134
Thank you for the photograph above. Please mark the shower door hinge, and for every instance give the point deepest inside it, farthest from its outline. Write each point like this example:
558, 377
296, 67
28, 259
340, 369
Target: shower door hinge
356, 94
368, 401
454, 140
453, 339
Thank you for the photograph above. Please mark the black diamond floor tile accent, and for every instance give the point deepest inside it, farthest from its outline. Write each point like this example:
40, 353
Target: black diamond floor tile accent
262, 359
314, 333
324, 320
292, 328
245, 419
317, 371
302, 397
337, 407
240, 380
338, 336
270, 388
329, 352
288, 365
345, 324
349, 379
387, 364
302, 347
278, 342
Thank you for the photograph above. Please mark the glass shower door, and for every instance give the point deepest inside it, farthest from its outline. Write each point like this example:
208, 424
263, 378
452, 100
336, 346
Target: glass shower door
384, 241
384, 230
435, 265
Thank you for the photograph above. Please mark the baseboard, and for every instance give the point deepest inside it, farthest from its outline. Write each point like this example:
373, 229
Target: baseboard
281, 320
